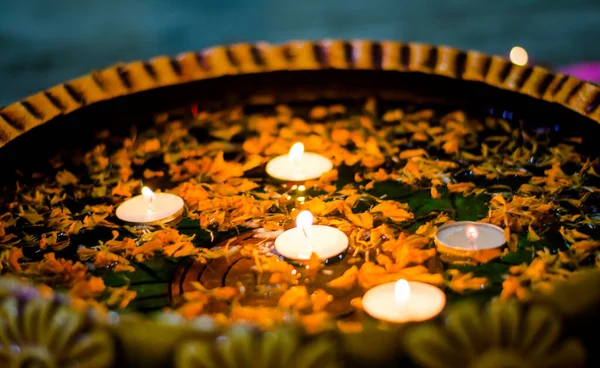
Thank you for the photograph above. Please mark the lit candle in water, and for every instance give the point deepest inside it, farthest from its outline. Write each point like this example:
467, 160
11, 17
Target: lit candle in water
470, 236
298, 165
150, 208
300, 242
404, 301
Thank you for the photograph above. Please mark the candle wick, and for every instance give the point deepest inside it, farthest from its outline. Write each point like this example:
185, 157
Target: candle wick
150, 204
309, 245
304, 232
295, 155
149, 196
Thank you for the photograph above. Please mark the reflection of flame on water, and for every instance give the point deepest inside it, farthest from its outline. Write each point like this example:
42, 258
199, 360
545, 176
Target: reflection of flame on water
518, 56
401, 292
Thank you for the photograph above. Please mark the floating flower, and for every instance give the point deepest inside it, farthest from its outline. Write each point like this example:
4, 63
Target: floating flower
364, 219
65, 177
465, 282
540, 274
556, 180
408, 249
371, 275
384, 159
464, 188
395, 211
125, 188
346, 281
518, 212
9, 258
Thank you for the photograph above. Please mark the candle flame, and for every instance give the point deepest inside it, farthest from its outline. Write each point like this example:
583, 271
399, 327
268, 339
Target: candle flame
518, 55
401, 292
296, 153
148, 194
304, 220
472, 232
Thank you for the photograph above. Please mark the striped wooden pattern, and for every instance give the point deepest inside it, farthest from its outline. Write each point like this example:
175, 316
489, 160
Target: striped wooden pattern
123, 79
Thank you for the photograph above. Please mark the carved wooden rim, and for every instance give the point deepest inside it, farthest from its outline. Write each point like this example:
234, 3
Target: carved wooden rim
124, 79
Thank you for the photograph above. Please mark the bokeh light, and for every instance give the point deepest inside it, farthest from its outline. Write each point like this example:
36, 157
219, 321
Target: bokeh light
518, 55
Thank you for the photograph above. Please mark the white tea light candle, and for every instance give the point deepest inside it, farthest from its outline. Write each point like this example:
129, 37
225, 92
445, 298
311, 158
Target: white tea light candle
470, 236
303, 240
298, 165
404, 301
150, 208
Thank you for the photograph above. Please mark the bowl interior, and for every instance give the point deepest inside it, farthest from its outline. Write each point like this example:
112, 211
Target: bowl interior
76, 129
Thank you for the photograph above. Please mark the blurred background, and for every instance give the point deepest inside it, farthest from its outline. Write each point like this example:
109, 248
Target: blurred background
45, 42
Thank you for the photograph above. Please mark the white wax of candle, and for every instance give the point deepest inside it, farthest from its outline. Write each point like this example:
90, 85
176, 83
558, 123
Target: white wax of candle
326, 241
298, 165
459, 235
140, 210
423, 302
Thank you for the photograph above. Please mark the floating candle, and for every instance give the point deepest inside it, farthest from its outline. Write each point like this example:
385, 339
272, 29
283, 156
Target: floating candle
470, 236
150, 208
404, 301
298, 165
303, 240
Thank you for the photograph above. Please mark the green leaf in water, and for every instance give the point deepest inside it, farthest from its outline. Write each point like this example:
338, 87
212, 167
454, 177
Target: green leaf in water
150, 281
471, 208
519, 257
391, 190
421, 203
202, 237
493, 271
551, 240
